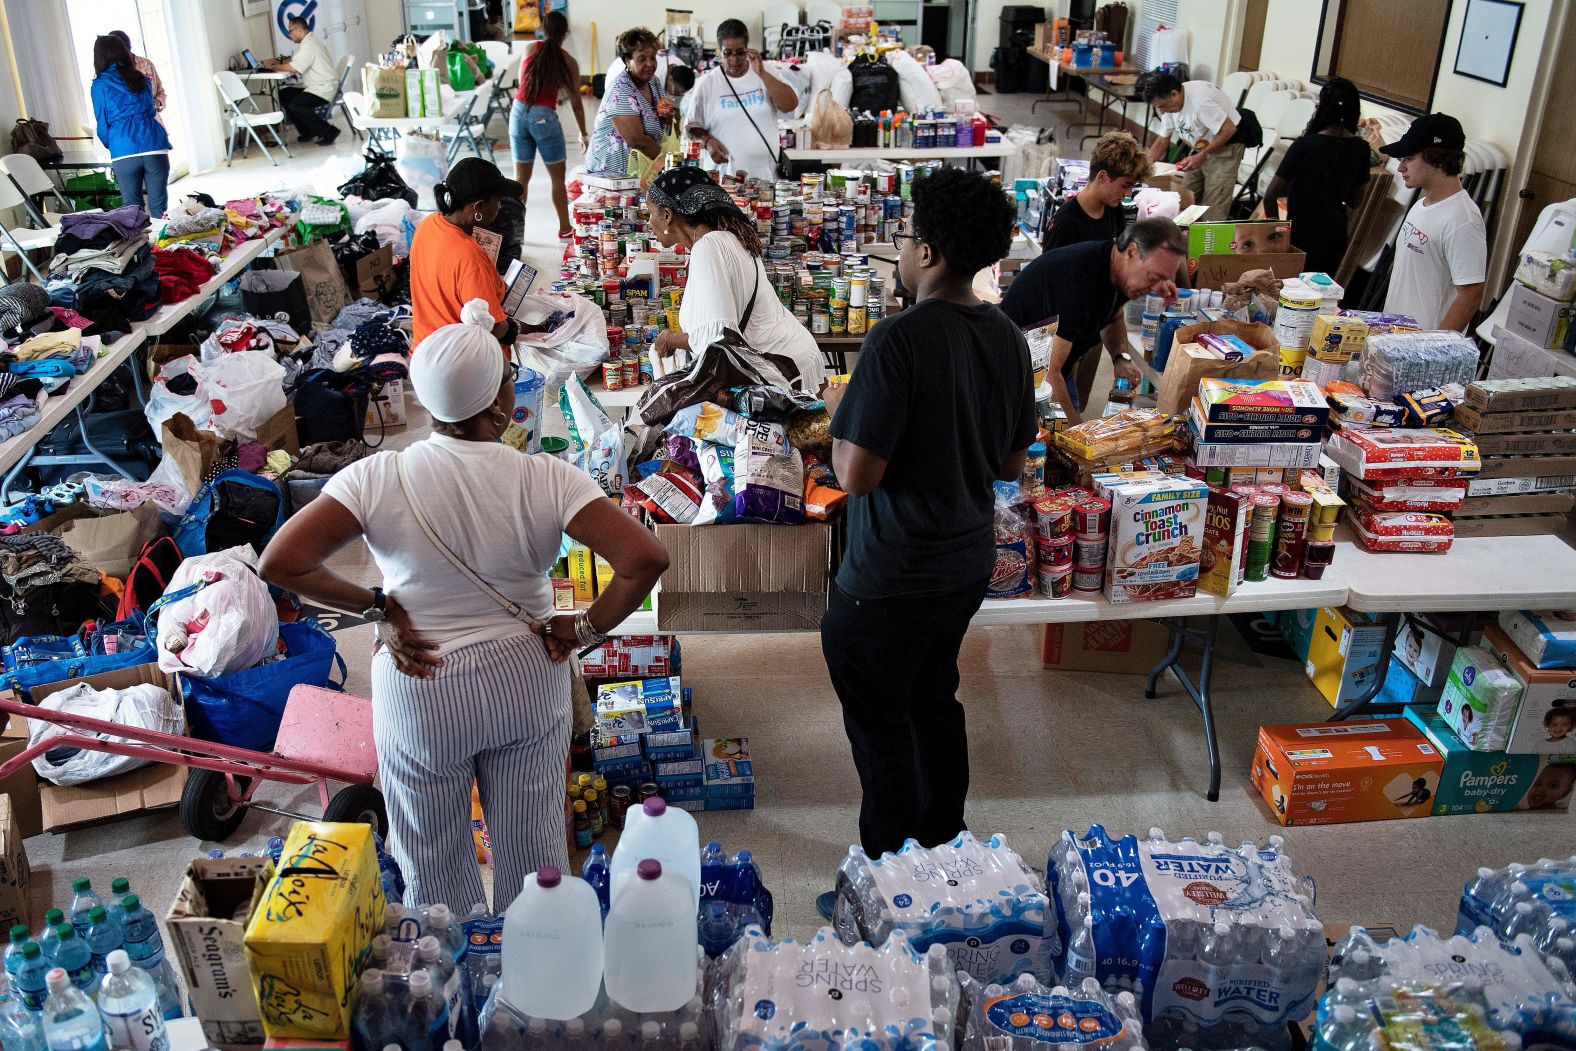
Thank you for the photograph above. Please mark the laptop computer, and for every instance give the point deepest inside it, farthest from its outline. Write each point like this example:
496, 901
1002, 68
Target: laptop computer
250, 59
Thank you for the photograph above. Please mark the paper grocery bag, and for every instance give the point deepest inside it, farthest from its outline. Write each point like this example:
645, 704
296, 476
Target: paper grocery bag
113, 543
326, 294
375, 273
385, 91
191, 450
1187, 364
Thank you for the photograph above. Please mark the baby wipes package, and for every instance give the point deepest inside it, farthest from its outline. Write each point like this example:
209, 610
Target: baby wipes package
978, 901
823, 995
1028, 1016
1480, 699
1200, 932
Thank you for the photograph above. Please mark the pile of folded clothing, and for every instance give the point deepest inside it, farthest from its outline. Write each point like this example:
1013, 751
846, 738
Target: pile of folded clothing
252, 217
198, 228
182, 272
103, 268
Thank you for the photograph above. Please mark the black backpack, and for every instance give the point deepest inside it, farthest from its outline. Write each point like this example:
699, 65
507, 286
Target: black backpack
328, 409
875, 86
509, 224
149, 576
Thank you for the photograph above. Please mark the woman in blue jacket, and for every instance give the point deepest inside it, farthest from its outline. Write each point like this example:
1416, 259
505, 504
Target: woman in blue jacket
128, 126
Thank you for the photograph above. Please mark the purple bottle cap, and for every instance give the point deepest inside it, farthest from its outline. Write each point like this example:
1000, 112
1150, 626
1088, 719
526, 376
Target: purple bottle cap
655, 807
549, 877
650, 868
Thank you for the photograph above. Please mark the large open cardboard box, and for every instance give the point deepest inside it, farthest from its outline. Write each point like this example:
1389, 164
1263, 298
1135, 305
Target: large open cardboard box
16, 877
744, 577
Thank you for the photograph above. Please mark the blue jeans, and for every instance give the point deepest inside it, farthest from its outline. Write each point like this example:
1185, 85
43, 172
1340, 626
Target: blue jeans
150, 172
533, 130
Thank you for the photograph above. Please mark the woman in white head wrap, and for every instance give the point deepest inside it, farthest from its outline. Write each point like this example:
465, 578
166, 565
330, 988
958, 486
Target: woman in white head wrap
463, 688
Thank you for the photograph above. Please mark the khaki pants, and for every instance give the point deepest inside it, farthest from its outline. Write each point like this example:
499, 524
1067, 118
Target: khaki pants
1214, 183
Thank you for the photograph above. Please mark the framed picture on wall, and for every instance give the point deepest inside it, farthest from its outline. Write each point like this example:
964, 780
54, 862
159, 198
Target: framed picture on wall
1488, 40
254, 7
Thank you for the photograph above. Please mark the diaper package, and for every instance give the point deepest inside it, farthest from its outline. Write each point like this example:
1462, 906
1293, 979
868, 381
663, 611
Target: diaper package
978, 901
1480, 700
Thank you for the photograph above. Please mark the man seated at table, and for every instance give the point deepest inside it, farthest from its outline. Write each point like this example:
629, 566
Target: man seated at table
1084, 287
319, 84
735, 107
1201, 117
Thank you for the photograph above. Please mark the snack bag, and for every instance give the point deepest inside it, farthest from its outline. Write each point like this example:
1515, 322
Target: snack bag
823, 497
716, 470
768, 482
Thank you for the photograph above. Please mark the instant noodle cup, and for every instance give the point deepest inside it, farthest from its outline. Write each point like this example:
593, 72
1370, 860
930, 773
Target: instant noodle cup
1092, 517
1053, 515
1057, 552
1055, 581
1088, 578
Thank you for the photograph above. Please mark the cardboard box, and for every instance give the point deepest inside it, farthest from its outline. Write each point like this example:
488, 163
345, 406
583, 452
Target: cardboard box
207, 931
1256, 237
147, 788
279, 432
1157, 536
582, 572
1402, 688
16, 877
1538, 318
1535, 444
1509, 525
1131, 646
1344, 653
1426, 654
1498, 422
22, 786
1518, 504
311, 929
1547, 638
1221, 567
1546, 722
1214, 271
1278, 455
744, 577
1474, 782
386, 406
1540, 467
1296, 627
1539, 394
1331, 773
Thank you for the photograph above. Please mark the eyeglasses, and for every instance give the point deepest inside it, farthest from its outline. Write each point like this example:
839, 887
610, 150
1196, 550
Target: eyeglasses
899, 240
732, 52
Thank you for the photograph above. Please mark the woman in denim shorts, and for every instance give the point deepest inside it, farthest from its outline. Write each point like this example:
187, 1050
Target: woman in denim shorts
534, 128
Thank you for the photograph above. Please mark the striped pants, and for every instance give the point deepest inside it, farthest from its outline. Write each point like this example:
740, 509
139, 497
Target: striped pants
497, 713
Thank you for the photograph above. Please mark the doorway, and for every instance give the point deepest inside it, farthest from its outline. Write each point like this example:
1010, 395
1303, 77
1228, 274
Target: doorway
1552, 177
145, 22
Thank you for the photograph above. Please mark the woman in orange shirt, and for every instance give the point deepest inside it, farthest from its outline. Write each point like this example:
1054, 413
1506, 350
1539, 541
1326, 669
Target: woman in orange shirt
448, 267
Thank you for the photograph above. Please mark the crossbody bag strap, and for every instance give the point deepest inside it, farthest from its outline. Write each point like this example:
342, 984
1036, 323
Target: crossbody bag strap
749, 308
775, 151
514, 609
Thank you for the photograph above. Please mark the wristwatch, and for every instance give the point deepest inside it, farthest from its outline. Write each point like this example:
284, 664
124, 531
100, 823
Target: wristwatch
379, 611
585, 634
1123, 356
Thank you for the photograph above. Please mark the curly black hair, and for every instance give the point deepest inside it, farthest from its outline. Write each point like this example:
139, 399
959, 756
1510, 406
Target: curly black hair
964, 216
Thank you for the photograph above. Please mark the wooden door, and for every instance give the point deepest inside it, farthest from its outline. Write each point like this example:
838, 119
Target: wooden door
1252, 34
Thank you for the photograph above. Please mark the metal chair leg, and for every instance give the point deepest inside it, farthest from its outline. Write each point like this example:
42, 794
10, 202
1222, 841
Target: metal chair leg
283, 145
23, 253
252, 132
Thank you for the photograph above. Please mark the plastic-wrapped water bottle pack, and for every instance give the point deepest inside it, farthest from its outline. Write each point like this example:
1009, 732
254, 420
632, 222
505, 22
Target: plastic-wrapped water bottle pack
1449, 1016
823, 995
1201, 933
977, 900
1028, 1016
1537, 900
607, 1025
1512, 980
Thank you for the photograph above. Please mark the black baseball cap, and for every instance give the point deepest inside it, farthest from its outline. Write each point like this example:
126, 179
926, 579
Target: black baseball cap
474, 179
1432, 130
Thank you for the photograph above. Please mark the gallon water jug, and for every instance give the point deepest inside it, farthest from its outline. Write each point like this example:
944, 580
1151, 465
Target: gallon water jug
552, 947
649, 943
656, 830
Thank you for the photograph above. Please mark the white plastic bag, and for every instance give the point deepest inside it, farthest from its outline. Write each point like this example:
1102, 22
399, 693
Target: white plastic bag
914, 85
843, 87
1167, 45
953, 81
246, 390
227, 625
144, 706
393, 221
164, 403
422, 161
1153, 203
794, 77
580, 338
596, 439
822, 66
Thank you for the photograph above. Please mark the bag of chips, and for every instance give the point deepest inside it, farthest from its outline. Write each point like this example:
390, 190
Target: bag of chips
823, 497
768, 483
716, 469
670, 496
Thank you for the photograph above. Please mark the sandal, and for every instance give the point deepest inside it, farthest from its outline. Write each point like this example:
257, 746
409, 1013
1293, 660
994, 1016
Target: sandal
565, 235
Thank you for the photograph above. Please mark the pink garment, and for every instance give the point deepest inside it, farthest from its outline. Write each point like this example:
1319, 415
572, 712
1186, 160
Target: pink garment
146, 69
70, 318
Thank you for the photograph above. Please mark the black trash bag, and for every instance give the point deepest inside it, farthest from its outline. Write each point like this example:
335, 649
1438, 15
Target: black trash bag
328, 409
728, 363
772, 404
378, 181
509, 224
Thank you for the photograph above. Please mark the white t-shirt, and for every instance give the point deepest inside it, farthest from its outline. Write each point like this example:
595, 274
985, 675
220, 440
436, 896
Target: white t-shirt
499, 510
312, 60
1204, 109
721, 276
716, 110
1440, 246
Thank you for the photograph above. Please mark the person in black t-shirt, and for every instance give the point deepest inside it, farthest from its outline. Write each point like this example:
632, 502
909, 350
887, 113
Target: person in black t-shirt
1083, 287
1320, 177
1095, 212
940, 406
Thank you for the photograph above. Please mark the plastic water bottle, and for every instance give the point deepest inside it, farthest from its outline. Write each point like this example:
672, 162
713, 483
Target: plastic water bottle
49, 937
82, 900
1486, 886
1081, 962
749, 890
649, 942
73, 956
441, 925
104, 937
128, 1004
163, 977
31, 977
715, 870
374, 1023
1220, 946
552, 947
13, 951
426, 1017
20, 1029
71, 1022
1344, 1030
665, 834
436, 961
595, 872
1504, 906
717, 928
140, 934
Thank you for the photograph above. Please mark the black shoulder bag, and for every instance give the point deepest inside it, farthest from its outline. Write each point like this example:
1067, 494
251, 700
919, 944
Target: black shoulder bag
783, 167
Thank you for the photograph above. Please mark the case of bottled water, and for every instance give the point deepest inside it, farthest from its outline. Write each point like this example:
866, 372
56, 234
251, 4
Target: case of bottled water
1202, 933
978, 901
607, 1025
1442, 1017
1537, 899
733, 897
824, 995
1513, 982
1028, 1016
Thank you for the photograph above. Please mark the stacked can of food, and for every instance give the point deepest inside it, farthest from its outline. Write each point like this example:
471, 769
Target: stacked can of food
1053, 518
1091, 534
1291, 533
1261, 533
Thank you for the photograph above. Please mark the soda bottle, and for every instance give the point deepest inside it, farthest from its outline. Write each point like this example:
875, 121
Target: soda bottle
20, 1029
31, 977
373, 1024
128, 1005
74, 957
140, 935
13, 951
426, 1017
71, 1022
595, 872
49, 937
82, 899
104, 937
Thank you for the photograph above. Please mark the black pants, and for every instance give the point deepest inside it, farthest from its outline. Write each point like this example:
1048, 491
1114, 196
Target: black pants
302, 106
894, 665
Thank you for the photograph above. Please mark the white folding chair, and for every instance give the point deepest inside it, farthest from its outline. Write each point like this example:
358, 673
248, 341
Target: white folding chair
32, 180
233, 92
21, 242
356, 102
327, 112
1235, 85
774, 16
824, 11
502, 94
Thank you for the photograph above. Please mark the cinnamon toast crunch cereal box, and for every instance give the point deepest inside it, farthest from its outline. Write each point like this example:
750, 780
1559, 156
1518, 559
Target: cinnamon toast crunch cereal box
1157, 538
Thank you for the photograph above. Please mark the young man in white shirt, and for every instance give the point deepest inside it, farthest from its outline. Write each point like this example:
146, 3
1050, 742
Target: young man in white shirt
319, 84
1202, 117
735, 107
1441, 253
